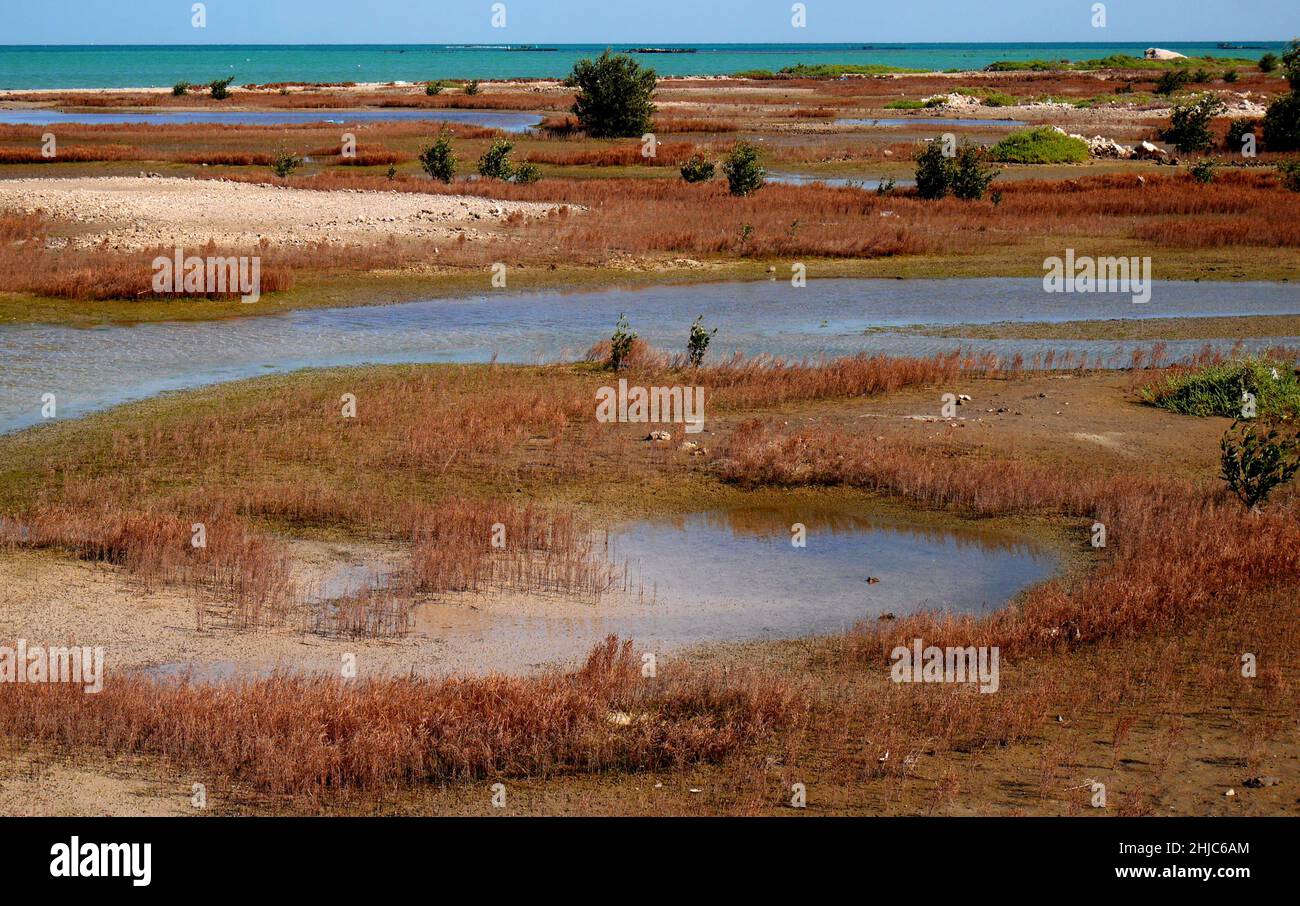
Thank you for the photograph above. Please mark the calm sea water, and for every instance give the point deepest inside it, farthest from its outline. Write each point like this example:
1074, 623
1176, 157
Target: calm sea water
115, 66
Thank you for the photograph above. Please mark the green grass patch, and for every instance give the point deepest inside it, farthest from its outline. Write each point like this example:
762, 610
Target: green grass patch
835, 70
990, 97
1218, 389
1040, 145
905, 104
1114, 61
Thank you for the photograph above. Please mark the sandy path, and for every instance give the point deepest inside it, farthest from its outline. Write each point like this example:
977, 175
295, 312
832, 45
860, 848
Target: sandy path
141, 212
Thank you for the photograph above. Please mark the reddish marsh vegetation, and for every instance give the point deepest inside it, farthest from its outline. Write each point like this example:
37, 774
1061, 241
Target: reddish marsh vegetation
308, 735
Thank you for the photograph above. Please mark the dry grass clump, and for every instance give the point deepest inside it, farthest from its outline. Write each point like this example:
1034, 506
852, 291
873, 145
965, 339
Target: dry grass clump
244, 574
307, 735
473, 546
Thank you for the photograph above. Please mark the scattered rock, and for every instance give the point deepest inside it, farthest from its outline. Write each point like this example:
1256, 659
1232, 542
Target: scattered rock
872, 580
659, 436
1148, 151
1159, 53
1257, 782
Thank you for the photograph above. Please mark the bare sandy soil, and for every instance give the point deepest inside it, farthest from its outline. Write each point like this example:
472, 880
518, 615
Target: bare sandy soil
146, 212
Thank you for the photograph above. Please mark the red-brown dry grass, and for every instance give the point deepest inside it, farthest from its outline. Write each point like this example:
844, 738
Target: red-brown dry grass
244, 570
308, 735
456, 549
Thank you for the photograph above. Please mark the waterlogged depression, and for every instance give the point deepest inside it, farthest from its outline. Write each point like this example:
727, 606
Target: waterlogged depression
90, 369
702, 578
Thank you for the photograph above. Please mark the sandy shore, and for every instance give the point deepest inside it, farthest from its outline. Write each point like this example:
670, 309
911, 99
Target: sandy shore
145, 212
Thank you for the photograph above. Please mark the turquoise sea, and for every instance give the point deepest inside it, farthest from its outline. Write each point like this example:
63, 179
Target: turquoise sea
162, 65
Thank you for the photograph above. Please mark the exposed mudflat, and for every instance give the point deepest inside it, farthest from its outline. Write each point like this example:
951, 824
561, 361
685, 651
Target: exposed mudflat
129, 212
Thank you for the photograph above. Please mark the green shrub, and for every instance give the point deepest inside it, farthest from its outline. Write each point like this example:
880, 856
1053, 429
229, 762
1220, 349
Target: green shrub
1291, 63
743, 171
613, 96
526, 174
698, 342
285, 163
620, 344
1217, 389
1257, 456
1172, 80
905, 104
1203, 171
1289, 172
971, 176
220, 88
471, 87
495, 162
1268, 62
180, 89
989, 97
438, 159
1282, 124
1238, 129
698, 169
1201, 76
1039, 145
432, 88
1189, 124
933, 171
1230, 76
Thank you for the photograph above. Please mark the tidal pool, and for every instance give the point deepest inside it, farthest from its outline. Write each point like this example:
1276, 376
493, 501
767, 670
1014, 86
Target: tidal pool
92, 368
735, 576
506, 121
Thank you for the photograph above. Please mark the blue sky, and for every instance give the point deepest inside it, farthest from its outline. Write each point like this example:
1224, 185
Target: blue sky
596, 21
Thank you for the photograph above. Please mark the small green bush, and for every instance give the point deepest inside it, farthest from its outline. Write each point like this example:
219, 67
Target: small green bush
933, 171
905, 104
1040, 145
697, 344
285, 163
432, 88
180, 89
495, 162
526, 174
1257, 456
220, 88
1268, 62
620, 344
1230, 76
438, 160
1217, 389
1203, 171
1282, 124
698, 169
1238, 129
1172, 80
743, 171
471, 87
1289, 172
971, 176
1189, 124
